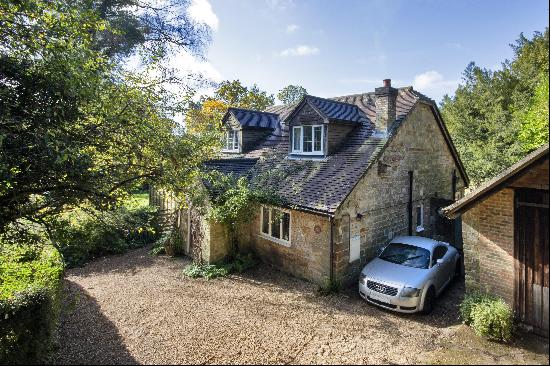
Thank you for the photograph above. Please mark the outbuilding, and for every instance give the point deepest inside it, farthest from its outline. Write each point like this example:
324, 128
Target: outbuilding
505, 234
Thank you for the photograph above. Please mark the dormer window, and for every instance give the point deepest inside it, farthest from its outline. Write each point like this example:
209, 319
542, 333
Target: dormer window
231, 141
307, 140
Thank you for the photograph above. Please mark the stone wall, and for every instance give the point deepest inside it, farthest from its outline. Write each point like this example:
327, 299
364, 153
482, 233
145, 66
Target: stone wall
376, 210
307, 256
488, 233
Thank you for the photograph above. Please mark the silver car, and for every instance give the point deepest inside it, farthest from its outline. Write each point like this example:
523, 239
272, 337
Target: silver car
409, 274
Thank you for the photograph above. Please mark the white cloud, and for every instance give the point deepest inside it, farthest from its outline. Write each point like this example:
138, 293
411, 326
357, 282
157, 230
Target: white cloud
291, 28
201, 11
186, 63
302, 50
433, 84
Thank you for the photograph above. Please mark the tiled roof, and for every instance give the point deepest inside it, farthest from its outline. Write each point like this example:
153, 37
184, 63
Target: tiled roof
239, 166
322, 185
335, 110
255, 119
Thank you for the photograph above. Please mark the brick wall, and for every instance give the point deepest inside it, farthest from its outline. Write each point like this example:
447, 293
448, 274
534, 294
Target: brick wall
488, 233
308, 254
381, 196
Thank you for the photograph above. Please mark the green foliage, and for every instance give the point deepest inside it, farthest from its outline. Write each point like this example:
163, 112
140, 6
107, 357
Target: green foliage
534, 128
331, 286
239, 264
84, 235
489, 316
75, 126
496, 117
206, 115
30, 282
291, 94
208, 271
234, 94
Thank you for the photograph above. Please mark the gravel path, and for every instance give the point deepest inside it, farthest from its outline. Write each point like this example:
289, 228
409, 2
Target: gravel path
135, 308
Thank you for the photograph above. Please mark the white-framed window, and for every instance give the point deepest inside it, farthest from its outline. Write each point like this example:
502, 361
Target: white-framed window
308, 140
231, 141
275, 225
420, 218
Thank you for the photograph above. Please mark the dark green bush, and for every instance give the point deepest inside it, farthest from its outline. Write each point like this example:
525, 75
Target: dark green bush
30, 283
83, 236
239, 264
489, 316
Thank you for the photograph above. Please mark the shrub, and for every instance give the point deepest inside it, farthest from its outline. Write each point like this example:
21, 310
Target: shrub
489, 316
239, 264
30, 283
331, 286
82, 236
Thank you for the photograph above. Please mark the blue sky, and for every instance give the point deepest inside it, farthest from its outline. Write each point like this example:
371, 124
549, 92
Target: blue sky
344, 47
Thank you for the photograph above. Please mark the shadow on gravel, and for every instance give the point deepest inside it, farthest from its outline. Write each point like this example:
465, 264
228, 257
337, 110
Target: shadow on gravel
118, 263
445, 314
86, 336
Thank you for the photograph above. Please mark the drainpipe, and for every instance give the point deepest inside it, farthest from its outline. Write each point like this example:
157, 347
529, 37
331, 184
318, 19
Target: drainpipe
331, 252
410, 203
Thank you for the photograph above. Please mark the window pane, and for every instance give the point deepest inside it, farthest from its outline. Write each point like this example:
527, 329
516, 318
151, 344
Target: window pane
297, 138
276, 223
265, 220
308, 139
225, 139
235, 140
317, 145
286, 226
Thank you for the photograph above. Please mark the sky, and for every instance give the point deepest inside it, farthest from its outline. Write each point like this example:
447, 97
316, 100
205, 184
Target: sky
335, 48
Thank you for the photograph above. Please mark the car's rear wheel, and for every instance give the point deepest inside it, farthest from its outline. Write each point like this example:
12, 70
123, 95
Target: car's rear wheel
429, 301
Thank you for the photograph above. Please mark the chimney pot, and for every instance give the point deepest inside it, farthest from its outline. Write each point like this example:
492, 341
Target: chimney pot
387, 83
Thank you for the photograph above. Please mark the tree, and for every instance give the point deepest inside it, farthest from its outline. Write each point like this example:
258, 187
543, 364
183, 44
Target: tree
496, 117
206, 115
291, 94
153, 27
75, 127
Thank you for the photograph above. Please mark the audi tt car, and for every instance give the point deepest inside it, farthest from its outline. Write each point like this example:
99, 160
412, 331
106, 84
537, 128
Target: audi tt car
409, 274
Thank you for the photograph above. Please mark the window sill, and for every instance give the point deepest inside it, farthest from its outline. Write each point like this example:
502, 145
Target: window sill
307, 157
275, 240
231, 151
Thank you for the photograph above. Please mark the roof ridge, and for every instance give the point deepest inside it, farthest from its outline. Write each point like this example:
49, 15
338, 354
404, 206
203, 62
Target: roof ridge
330, 100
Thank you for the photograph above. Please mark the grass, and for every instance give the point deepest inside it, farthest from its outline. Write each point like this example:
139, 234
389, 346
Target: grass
137, 200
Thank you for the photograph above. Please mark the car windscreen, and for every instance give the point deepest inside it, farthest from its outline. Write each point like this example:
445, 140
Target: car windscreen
406, 255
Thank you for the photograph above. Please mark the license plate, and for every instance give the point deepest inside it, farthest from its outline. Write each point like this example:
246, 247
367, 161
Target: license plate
380, 297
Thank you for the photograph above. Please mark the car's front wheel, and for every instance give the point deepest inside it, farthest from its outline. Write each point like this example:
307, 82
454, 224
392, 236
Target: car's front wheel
429, 301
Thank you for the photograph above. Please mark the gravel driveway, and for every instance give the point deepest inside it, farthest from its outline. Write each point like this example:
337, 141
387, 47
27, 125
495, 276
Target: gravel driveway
135, 308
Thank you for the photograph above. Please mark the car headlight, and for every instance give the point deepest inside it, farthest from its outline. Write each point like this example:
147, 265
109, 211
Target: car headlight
362, 277
410, 292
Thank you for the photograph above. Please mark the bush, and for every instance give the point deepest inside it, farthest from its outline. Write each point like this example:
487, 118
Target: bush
489, 316
30, 284
239, 264
82, 236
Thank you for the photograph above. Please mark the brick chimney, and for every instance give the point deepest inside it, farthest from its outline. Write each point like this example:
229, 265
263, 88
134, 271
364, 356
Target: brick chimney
386, 97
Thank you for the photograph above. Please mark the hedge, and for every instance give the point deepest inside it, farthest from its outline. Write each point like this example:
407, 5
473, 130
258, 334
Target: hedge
30, 285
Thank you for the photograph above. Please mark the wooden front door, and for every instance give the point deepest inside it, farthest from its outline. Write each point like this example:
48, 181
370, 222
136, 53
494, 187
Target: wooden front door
531, 258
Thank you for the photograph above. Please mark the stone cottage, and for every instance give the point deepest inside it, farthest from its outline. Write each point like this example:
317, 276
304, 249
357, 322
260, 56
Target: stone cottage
505, 233
354, 172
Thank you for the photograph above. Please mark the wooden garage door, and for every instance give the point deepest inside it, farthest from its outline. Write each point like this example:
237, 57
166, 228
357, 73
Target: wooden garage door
531, 254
